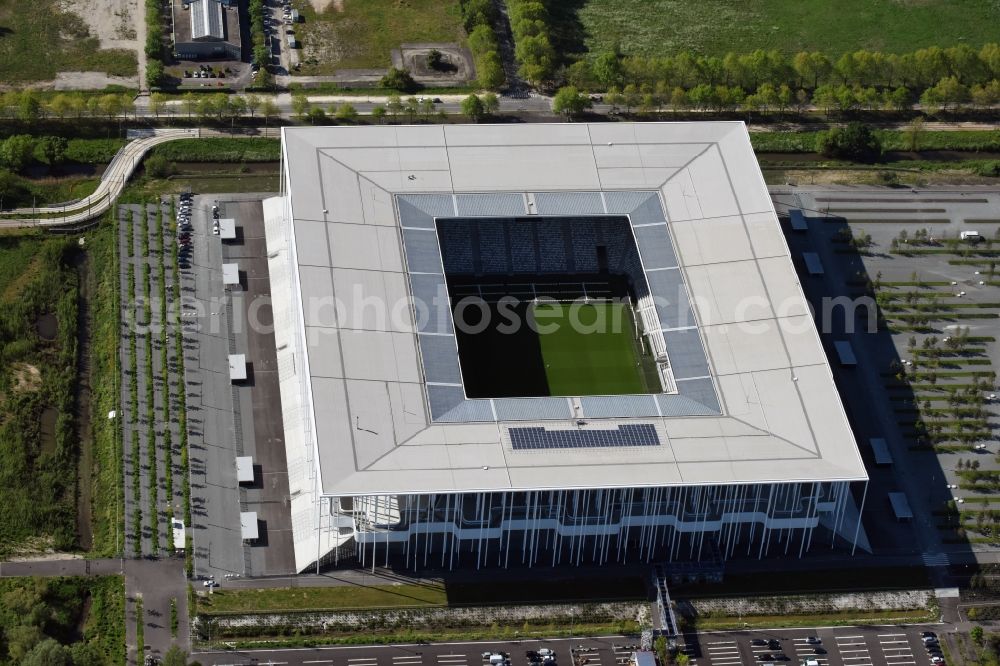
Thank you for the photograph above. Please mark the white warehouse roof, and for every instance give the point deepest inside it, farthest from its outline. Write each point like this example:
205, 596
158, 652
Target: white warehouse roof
757, 403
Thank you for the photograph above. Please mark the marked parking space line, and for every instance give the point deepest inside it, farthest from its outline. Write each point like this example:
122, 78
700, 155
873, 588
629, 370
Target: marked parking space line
318, 661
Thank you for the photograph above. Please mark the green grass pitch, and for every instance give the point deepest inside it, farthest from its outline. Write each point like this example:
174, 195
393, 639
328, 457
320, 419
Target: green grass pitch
577, 361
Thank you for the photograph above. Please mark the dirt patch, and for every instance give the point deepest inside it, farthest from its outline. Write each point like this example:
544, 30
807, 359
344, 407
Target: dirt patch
91, 81
333, 43
456, 65
323, 5
47, 430
46, 326
27, 378
111, 21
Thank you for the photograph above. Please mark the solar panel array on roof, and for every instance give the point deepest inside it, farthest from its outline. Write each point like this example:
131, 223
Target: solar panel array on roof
641, 434
206, 19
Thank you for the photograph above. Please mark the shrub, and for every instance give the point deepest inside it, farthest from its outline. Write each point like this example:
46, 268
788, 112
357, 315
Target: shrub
856, 142
398, 79
158, 166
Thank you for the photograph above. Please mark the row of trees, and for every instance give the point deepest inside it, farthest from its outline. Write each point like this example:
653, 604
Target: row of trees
216, 106
536, 57
808, 69
257, 35
29, 106
155, 75
479, 17
948, 94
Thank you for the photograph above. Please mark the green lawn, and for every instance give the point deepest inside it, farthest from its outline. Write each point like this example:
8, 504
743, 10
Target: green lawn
556, 589
714, 27
38, 39
362, 35
341, 596
590, 350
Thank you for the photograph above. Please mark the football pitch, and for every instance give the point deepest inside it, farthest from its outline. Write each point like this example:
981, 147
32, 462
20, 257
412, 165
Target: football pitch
591, 351
578, 349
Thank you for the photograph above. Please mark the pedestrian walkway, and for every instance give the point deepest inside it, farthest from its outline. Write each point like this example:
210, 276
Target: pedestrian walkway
62, 567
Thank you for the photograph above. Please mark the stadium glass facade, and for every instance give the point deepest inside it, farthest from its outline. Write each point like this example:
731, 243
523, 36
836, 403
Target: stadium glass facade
596, 526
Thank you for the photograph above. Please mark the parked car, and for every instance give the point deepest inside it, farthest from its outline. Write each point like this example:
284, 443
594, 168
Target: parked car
813, 640
764, 657
819, 650
774, 644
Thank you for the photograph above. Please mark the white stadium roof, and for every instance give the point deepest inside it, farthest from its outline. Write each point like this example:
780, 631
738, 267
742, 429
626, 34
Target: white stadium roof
759, 405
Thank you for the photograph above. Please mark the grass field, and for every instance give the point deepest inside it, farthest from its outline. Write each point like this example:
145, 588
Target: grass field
577, 350
362, 35
892, 140
37, 375
714, 27
582, 363
38, 39
557, 589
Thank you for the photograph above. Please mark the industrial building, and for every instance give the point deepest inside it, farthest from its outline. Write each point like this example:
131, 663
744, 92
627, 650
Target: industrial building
206, 29
738, 447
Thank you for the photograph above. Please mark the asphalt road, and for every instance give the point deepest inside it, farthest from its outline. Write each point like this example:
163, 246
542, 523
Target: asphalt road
845, 646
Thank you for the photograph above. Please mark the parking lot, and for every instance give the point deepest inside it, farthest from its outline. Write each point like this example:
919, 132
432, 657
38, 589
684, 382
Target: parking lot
847, 646
230, 419
948, 283
844, 646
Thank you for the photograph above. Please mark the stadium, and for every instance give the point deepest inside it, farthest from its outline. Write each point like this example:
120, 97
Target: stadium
523, 345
